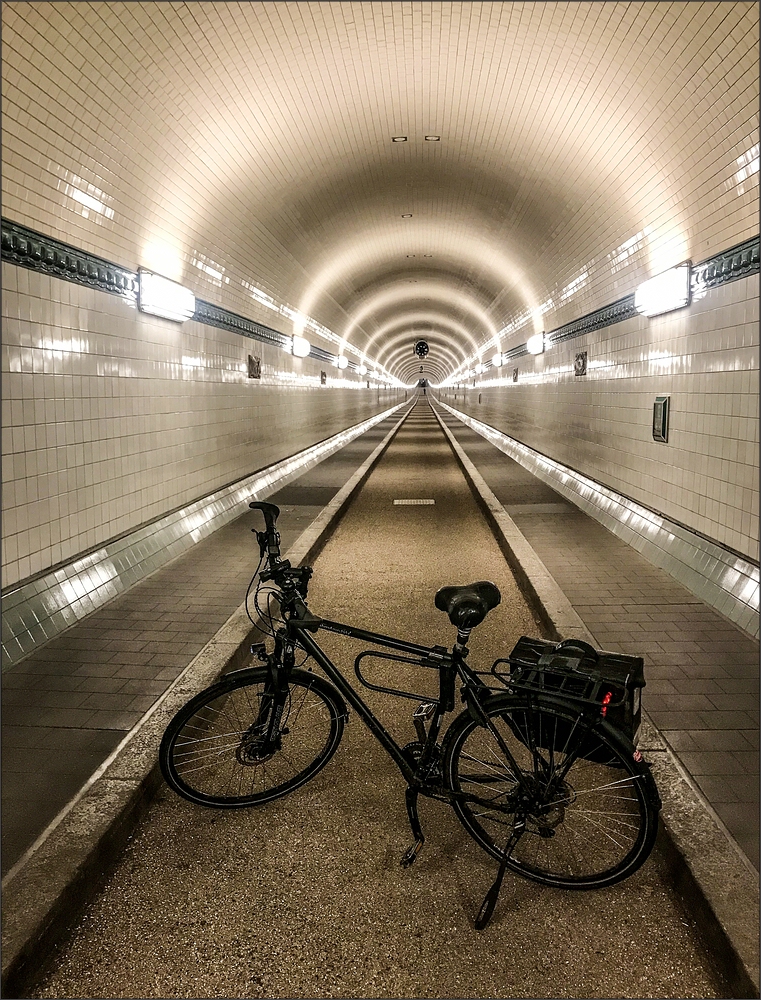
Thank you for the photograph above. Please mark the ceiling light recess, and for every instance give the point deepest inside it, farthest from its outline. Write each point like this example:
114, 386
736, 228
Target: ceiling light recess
163, 297
398, 138
433, 138
407, 215
535, 344
301, 347
665, 292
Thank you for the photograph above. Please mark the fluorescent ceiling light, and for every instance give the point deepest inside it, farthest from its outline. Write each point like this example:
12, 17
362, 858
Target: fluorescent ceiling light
433, 138
342, 361
535, 344
666, 291
301, 347
497, 360
407, 215
410, 254
398, 138
160, 296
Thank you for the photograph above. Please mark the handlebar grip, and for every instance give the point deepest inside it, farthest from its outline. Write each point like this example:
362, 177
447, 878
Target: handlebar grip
269, 538
270, 510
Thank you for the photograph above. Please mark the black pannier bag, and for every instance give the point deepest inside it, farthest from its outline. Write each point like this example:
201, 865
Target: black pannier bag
604, 685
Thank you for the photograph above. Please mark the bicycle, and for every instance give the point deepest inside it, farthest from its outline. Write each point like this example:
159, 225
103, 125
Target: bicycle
537, 766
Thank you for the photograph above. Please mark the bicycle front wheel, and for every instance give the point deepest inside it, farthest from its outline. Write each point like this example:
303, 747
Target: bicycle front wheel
215, 751
590, 807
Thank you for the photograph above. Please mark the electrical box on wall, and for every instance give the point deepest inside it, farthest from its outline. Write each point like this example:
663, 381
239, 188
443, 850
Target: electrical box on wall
661, 418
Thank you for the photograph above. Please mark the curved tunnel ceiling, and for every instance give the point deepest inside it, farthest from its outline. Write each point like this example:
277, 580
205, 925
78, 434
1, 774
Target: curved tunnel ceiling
259, 137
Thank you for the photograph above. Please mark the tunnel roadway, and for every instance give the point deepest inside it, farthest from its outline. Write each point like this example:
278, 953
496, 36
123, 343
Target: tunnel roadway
304, 897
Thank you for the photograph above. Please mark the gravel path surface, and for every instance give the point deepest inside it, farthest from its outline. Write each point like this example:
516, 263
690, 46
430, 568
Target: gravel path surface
304, 897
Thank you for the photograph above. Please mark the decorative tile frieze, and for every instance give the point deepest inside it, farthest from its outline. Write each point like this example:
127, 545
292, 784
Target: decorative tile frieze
737, 262
211, 315
28, 248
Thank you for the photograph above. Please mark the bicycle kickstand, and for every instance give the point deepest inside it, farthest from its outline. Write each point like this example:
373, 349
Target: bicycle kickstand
490, 900
410, 798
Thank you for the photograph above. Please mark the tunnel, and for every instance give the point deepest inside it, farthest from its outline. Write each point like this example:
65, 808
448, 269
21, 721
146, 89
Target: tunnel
212, 217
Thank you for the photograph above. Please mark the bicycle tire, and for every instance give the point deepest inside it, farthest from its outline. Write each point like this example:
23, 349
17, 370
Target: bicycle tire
598, 824
201, 754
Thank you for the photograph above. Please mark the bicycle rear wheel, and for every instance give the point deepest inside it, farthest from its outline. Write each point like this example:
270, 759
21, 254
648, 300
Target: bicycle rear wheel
215, 752
591, 807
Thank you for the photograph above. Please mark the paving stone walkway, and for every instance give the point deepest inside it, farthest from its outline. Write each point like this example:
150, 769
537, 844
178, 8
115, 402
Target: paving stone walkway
702, 671
69, 704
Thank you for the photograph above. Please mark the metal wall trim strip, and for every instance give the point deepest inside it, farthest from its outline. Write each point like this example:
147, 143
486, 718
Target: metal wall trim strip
41, 608
726, 580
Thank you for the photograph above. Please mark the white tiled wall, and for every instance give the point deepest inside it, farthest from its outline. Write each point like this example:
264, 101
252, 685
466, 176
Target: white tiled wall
705, 358
111, 418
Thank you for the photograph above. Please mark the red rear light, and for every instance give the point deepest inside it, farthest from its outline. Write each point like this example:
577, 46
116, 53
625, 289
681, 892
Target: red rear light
606, 701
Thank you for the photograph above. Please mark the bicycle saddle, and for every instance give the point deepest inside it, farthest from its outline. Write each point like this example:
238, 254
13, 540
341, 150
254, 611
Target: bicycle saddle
468, 606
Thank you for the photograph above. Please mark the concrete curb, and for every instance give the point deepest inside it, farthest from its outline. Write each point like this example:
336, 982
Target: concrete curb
49, 887
710, 871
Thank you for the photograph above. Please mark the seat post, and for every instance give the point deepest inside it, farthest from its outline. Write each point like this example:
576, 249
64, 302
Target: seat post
463, 634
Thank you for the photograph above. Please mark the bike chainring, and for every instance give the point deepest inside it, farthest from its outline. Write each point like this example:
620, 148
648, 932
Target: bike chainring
414, 751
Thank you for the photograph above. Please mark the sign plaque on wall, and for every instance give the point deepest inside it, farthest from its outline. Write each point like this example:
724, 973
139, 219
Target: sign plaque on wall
661, 418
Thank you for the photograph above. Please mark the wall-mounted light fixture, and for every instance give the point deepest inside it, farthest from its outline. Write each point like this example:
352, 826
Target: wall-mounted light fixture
362, 370
497, 360
342, 361
665, 292
535, 344
301, 347
160, 296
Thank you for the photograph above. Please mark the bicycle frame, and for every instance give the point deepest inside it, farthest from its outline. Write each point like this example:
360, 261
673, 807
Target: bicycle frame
447, 663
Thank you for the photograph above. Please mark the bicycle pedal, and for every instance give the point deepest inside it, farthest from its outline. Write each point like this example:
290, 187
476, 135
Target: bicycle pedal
410, 854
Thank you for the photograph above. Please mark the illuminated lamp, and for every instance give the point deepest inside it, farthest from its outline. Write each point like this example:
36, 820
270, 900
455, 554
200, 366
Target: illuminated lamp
497, 360
535, 344
665, 292
362, 370
301, 347
342, 361
160, 296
